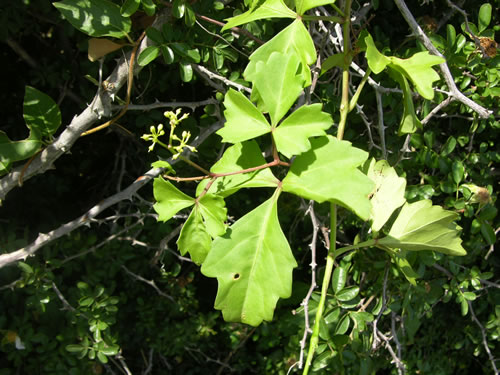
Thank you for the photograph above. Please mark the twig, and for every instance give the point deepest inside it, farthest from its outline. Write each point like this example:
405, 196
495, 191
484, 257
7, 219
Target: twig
305, 302
485, 338
240, 345
148, 369
395, 359
149, 282
148, 107
207, 74
380, 123
43, 239
384, 302
437, 108
448, 77
399, 363
492, 246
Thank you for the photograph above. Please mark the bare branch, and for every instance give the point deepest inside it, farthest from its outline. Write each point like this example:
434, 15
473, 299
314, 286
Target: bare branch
45, 238
448, 77
149, 282
209, 76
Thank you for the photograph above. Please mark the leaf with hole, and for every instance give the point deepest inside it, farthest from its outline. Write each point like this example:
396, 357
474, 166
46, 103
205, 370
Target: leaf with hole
329, 172
95, 17
422, 226
253, 264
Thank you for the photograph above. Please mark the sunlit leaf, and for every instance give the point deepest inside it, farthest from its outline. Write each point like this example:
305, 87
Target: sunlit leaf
194, 238
389, 192
11, 151
243, 120
214, 212
169, 199
329, 172
236, 158
278, 83
302, 6
148, 54
292, 136
40, 112
95, 17
253, 264
269, 9
484, 17
129, 7
422, 226
409, 121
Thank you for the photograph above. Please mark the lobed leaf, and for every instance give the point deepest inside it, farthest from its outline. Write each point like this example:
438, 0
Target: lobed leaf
169, 199
302, 6
95, 17
243, 120
253, 264
269, 9
389, 192
194, 238
236, 158
329, 172
422, 226
214, 212
292, 136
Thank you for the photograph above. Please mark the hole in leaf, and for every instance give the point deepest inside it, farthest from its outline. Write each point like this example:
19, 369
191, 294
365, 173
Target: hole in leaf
236, 276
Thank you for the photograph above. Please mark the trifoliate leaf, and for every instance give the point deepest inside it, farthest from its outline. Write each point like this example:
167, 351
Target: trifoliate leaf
253, 264
236, 158
329, 172
169, 199
269, 9
389, 192
422, 226
278, 83
243, 120
292, 136
194, 238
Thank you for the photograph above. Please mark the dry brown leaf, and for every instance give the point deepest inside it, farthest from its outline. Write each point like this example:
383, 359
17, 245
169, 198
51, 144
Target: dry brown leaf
99, 47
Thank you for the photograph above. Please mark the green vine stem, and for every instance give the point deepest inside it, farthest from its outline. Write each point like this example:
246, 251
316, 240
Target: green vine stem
330, 260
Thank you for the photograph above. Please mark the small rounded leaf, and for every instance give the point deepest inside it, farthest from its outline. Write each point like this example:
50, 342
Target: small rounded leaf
148, 54
348, 293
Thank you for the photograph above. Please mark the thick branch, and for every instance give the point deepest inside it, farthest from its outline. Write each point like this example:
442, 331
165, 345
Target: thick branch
455, 92
101, 107
45, 238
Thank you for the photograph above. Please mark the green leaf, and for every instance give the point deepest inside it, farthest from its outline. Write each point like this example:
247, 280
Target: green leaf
389, 192
278, 83
155, 35
148, 54
243, 120
339, 278
178, 8
457, 171
328, 172
169, 199
41, 112
422, 226
108, 349
186, 71
168, 54
129, 7
484, 17
214, 213
376, 61
409, 122
347, 294
342, 325
469, 296
95, 17
194, 237
74, 348
269, 9
294, 39
336, 60
236, 158
399, 258
292, 136
11, 151
253, 264
163, 164
102, 358
488, 233
149, 7
25, 267
302, 6
184, 50
189, 16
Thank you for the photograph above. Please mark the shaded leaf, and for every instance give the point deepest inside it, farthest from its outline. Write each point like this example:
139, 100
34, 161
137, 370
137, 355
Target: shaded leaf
292, 136
342, 325
129, 7
194, 238
339, 278
347, 294
269, 9
409, 121
95, 17
147, 55
389, 192
404, 266
278, 83
149, 7
214, 212
41, 113
243, 120
169, 199
236, 158
11, 151
168, 54
422, 226
186, 71
328, 172
253, 264
336, 60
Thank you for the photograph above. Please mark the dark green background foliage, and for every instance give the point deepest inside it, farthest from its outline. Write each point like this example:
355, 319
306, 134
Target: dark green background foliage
119, 285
